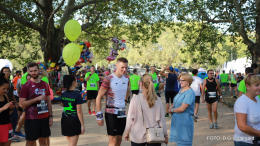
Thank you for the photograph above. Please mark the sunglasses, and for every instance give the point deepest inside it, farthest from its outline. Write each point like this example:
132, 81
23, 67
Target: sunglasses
211, 73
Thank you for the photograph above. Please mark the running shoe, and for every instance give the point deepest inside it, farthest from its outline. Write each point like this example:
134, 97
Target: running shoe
159, 94
216, 125
19, 134
194, 119
167, 115
93, 113
89, 111
211, 126
196, 116
16, 140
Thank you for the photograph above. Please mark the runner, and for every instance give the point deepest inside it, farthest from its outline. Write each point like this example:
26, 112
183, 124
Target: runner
239, 79
24, 77
147, 71
211, 97
134, 82
15, 79
171, 79
224, 81
233, 79
92, 79
242, 85
155, 79
72, 121
196, 86
35, 96
115, 86
6, 106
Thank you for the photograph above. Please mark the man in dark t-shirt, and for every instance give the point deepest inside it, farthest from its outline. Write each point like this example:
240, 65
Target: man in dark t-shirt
35, 97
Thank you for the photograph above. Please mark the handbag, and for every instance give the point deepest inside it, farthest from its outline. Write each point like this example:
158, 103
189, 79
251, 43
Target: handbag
153, 134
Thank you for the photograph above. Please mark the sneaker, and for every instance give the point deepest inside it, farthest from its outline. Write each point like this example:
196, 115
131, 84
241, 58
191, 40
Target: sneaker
19, 135
194, 119
196, 116
216, 125
167, 115
16, 140
159, 94
93, 113
89, 111
211, 126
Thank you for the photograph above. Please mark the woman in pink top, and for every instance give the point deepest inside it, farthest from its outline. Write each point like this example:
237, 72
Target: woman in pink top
150, 104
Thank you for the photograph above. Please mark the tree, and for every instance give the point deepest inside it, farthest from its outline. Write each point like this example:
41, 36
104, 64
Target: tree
232, 17
48, 17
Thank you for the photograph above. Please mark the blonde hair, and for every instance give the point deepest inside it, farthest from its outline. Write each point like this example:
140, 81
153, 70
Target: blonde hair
252, 78
187, 77
151, 96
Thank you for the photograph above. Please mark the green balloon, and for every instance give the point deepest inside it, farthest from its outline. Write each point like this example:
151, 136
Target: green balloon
72, 30
71, 54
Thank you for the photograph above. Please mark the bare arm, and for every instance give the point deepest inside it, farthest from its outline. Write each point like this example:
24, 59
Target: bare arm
229, 77
98, 84
101, 93
242, 125
164, 74
235, 77
182, 108
203, 90
80, 114
88, 78
24, 103
219, 90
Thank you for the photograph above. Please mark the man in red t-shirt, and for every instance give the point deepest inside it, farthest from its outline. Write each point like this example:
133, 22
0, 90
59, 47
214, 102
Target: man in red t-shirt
35, 97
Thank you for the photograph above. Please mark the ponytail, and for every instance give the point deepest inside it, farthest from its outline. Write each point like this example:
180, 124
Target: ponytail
2, 79
150, 94
67, 81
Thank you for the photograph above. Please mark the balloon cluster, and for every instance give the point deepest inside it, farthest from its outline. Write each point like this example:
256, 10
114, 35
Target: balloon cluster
41, 66
117, 45
86, 55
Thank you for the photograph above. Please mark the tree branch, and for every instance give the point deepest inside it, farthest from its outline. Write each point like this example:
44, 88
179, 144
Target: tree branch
80, 6
95, 33
39, 5
87, 25
49, 20
204, 14
19, 19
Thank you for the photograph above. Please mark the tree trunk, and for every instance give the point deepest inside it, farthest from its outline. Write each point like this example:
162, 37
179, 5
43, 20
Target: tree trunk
255, 52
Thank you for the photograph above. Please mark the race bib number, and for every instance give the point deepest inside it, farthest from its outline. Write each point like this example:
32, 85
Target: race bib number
121, 113
11, 134
212, 94
93, 85
42, 108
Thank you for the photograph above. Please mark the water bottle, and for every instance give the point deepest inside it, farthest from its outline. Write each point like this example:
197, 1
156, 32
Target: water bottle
43, 93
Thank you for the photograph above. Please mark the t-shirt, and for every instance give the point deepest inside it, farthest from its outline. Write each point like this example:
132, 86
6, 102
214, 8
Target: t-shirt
223, 78
92, 82
45, 79
155, 79
15, 81
196, 85
32, 90
134, 82
70, 101
24, 79
116, 90
247, 106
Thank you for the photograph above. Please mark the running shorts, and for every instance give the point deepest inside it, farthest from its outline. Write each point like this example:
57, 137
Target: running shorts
211, 100
115, 126
197, 99
233, 85
35, 128
224, 84
169, 95
136, 92
70, 126
92, 94
6, 132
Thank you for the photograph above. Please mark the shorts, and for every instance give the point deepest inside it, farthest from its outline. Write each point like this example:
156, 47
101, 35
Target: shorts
145, 144
223, 84
136, 92
70, 126
211, 100
233, 85
92, 94
6, 132
35, 128
115, 126
197, 99
170, 95
20, 109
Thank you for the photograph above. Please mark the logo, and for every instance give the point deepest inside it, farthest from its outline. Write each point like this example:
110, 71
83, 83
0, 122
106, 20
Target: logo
33, 85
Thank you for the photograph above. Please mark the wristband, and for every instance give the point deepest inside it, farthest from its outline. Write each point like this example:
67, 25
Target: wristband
99, 115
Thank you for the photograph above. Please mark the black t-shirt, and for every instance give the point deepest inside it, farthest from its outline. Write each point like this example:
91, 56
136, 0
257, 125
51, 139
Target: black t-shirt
70, 100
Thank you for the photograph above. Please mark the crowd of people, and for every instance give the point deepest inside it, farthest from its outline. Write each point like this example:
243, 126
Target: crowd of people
25, 100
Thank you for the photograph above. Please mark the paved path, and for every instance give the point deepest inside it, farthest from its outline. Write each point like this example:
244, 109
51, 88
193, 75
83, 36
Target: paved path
96, 135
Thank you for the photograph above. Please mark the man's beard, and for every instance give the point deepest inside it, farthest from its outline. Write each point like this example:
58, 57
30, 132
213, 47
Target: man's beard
35, 76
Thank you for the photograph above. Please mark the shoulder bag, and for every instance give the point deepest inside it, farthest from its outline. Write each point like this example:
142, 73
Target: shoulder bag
153, 134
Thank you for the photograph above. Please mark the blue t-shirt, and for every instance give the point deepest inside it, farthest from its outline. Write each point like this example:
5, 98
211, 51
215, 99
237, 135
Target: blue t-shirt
70, 100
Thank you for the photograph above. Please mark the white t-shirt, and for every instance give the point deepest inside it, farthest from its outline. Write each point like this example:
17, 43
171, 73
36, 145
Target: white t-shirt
196, 85
252, 109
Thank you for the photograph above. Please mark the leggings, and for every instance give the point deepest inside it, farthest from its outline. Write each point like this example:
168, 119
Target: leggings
14, 118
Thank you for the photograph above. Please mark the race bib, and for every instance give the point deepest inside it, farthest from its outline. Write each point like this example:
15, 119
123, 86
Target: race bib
93, 85
121, 113
11, 134
42, 108
212, 94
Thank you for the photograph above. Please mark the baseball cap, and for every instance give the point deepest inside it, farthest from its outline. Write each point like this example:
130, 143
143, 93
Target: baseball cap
176, 69
171, 68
